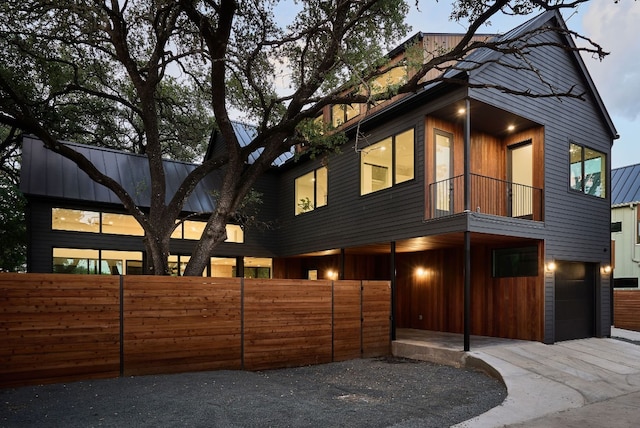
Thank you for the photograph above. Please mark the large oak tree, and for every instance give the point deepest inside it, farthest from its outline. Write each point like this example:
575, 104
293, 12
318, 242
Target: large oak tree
159, 77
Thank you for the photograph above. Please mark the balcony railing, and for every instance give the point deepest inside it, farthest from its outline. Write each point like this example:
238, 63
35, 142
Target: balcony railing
488, 196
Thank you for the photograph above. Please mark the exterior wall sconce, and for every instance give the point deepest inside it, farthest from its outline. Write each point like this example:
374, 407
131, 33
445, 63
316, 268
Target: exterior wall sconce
332, 274
551, 266
421, 272
605, 270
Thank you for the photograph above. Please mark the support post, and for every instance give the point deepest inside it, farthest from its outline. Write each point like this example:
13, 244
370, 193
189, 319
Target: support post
467, 233
393, 290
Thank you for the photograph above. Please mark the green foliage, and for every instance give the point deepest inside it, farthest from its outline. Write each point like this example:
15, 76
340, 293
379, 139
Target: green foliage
13, 234
61, 62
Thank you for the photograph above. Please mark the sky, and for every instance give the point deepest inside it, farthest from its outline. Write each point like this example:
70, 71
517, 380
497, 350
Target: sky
614, 26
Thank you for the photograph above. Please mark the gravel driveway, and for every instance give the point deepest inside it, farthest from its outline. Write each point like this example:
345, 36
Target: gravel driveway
380, 392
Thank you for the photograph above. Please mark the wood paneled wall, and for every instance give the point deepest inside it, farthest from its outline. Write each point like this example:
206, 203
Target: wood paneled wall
626, 309
60, 328
500, 307
488, 159
356, 266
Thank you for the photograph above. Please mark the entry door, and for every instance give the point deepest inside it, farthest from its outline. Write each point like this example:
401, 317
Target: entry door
520, 159
443, 169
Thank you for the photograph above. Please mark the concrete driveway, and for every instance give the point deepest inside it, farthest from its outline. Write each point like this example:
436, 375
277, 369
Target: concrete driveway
579, 383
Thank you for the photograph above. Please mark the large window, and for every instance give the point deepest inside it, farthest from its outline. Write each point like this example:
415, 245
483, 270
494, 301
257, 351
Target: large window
97, 262
587, 170
123, 224
386, 163
311, 191
94, 222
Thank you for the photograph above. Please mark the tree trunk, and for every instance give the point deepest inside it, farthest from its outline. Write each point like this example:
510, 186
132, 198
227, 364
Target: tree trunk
157, 255
214, 233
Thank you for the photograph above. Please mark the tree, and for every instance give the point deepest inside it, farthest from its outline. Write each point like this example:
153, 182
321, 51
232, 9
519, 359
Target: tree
141, 61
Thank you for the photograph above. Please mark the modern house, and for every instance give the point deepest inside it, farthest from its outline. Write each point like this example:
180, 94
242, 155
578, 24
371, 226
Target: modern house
625, 225
487, 211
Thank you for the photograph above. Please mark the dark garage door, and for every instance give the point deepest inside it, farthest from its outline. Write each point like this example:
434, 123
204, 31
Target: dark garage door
575, 308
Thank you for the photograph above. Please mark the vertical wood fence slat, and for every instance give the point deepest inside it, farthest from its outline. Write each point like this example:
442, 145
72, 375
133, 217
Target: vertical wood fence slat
61, 328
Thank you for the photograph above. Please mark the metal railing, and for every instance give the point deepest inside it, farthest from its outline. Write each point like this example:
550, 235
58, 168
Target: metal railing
488, 196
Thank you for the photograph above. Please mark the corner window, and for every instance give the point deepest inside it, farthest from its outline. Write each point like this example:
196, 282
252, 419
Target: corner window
587, 171
386, 163
311, 190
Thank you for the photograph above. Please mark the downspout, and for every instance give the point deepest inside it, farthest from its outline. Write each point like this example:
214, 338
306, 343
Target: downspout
467, 233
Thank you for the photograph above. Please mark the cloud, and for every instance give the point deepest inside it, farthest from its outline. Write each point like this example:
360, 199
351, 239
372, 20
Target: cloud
615, 27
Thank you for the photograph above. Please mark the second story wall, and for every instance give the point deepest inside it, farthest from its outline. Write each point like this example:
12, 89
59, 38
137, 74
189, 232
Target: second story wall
573, 218
349, 219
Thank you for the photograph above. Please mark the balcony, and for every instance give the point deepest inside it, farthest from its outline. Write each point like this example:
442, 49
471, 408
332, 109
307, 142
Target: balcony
488, 196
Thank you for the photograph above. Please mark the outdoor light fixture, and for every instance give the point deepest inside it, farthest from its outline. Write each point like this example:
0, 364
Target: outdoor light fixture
421, 272
461, 110
331, 274
605, 269
511, 127
551, 266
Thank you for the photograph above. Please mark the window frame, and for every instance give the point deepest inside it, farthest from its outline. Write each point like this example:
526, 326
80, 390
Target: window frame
393, 161
526, 259
298, 209
583, 177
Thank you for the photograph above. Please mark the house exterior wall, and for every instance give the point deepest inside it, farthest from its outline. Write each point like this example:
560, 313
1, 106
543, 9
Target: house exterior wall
350, 219
576, 225
627, 249
43, 239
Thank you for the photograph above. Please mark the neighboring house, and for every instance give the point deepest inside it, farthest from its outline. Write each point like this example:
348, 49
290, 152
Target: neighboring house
448, 191
625, 225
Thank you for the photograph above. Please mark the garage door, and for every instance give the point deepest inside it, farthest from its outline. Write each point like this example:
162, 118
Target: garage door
575, 306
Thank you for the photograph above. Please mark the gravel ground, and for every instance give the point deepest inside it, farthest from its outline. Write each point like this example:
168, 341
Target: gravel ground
381, 392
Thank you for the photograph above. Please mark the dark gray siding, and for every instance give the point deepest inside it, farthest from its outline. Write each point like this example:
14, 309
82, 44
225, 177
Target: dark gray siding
40, 250
576, 225
350, 219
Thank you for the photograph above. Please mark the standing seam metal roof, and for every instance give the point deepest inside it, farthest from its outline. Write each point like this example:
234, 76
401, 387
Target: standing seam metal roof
46, 173
625, 185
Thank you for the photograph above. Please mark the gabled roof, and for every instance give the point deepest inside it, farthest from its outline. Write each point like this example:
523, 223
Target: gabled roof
488, 56
625, 185
552, 18
45, 173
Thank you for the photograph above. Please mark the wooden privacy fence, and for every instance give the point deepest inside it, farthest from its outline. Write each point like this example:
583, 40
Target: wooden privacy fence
60, 328
626, 309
